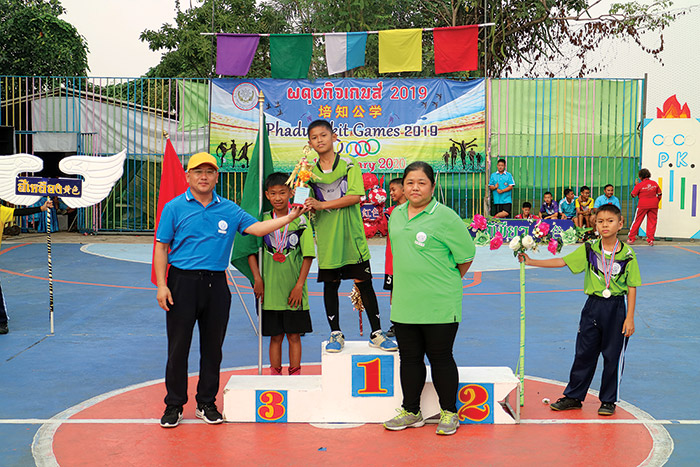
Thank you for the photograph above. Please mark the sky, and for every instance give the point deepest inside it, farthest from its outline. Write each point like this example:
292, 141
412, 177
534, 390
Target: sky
112, 29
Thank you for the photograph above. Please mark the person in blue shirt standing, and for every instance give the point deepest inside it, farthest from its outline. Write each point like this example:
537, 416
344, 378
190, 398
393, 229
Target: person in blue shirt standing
501, 184
198, 228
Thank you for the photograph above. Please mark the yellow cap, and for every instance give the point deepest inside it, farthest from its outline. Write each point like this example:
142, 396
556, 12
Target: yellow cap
201, 158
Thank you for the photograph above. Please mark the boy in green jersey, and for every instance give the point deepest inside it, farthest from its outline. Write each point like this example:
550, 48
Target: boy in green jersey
605, 327
287, 257
340, 236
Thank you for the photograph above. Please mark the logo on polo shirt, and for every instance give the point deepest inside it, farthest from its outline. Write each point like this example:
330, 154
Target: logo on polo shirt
223, 226
421, 237
616, 269
293, 239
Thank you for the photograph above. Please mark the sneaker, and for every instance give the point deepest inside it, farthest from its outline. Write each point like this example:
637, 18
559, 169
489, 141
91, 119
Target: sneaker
379, 340
631, 240
566, 403
390, 332
404, 419
449, 422
4, 329
336, 342
209, 413
651, 242
606, 408
171, 417
275, 371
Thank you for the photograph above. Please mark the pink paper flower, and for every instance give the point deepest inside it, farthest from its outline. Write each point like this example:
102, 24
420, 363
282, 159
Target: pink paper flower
479, 222
552, 246
544, 228
496, 241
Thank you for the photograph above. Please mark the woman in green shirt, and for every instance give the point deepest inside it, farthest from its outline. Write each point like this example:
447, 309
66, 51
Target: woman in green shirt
432, 251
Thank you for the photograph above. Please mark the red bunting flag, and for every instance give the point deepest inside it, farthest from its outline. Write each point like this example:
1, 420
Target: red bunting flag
456, 49
173, 182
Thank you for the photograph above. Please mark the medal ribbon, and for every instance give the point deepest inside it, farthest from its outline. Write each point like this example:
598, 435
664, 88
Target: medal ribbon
608, 268
280, 238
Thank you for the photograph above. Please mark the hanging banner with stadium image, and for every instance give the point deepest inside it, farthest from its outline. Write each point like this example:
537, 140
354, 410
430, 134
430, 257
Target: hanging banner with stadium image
383, 124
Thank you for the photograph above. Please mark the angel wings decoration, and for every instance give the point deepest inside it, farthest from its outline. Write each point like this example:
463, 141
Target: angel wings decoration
99, 176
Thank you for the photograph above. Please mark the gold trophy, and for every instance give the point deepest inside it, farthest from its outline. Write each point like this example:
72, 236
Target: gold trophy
300, 176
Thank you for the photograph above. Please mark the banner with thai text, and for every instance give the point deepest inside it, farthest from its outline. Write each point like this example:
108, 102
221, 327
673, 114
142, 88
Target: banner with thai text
383, 124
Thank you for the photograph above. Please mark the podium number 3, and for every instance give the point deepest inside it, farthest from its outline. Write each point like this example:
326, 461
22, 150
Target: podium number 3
373, 372
272, 407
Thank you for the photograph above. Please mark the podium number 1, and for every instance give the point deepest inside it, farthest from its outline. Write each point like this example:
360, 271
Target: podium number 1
373, 383
372, 375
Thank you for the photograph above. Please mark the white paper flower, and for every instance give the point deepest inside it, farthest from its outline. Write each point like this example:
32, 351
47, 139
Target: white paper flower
514, 243
528, 242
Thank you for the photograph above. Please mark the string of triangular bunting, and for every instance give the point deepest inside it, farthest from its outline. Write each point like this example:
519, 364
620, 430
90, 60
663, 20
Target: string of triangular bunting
399, 50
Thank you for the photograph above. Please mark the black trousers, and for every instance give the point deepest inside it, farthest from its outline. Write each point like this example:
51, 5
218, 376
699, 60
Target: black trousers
599, 332
436, 341
202, 297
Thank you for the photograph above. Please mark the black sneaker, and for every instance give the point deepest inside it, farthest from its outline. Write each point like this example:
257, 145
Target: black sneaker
171, 417
566, 403
606, 408
209, 413
390, 332
4, 329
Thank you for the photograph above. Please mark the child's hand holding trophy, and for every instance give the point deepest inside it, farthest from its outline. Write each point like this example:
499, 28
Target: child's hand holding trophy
300, 176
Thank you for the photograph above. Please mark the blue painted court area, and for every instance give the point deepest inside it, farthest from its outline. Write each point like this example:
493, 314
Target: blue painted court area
110, 332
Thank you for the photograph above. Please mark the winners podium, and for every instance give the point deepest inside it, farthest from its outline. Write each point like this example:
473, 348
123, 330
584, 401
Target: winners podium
361, 385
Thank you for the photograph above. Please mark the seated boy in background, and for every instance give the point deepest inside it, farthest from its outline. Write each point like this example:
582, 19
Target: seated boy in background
549, 208
584, 205
567, 205
525, 212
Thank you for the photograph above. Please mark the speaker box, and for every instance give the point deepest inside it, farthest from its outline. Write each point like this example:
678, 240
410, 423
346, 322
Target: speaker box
7, 140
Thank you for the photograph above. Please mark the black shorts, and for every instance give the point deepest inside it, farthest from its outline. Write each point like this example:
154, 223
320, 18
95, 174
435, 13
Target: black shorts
388, 282
496, 208
360, 271
276, 322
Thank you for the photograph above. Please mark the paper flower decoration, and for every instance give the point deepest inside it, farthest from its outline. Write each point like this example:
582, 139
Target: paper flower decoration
496, 241
478, 223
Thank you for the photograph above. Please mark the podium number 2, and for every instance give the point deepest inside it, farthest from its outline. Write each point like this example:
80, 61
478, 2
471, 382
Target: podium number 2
474, 398
272, 406
372, 380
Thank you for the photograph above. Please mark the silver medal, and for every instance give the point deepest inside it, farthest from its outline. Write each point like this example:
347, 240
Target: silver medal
606, 293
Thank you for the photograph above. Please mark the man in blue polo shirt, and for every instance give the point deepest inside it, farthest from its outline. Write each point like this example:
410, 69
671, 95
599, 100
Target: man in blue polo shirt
501, 185
198, 228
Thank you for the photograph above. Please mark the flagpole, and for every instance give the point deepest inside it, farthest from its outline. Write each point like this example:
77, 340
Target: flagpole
50, 267
261, 172
521, 359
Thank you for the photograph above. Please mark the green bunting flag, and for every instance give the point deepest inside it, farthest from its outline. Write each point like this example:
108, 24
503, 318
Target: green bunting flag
245, 245
290, 55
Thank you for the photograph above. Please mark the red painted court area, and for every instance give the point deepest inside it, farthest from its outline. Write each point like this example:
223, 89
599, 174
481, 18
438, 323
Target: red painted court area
126, 432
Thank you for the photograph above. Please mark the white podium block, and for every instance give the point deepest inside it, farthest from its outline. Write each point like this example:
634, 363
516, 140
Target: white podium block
361, 385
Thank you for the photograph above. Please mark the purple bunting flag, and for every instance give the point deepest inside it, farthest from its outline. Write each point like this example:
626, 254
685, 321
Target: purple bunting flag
234, 53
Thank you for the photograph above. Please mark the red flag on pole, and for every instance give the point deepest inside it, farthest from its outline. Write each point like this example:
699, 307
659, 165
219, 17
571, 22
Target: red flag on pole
172, 183
456, 49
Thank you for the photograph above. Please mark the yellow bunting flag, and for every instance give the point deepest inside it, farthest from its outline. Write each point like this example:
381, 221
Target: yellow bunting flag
400, 50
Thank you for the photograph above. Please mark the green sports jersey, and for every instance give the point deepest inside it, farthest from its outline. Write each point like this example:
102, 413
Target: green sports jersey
340, 234
587, 257
426, 249
280, 278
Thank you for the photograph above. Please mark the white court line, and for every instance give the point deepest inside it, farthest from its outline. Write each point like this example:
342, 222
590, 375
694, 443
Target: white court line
523, 421
42, 445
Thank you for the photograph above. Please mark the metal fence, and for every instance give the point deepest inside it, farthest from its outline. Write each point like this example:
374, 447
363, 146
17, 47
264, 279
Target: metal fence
554, 133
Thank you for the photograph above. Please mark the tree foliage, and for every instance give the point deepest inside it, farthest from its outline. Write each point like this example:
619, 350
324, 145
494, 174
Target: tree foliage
187, 53
525, 35
35, 42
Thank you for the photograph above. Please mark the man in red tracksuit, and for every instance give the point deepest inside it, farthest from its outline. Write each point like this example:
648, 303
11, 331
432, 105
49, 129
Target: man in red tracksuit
649, 195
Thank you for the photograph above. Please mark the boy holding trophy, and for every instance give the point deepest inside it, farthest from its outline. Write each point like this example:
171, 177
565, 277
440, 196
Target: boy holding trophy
342, 251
